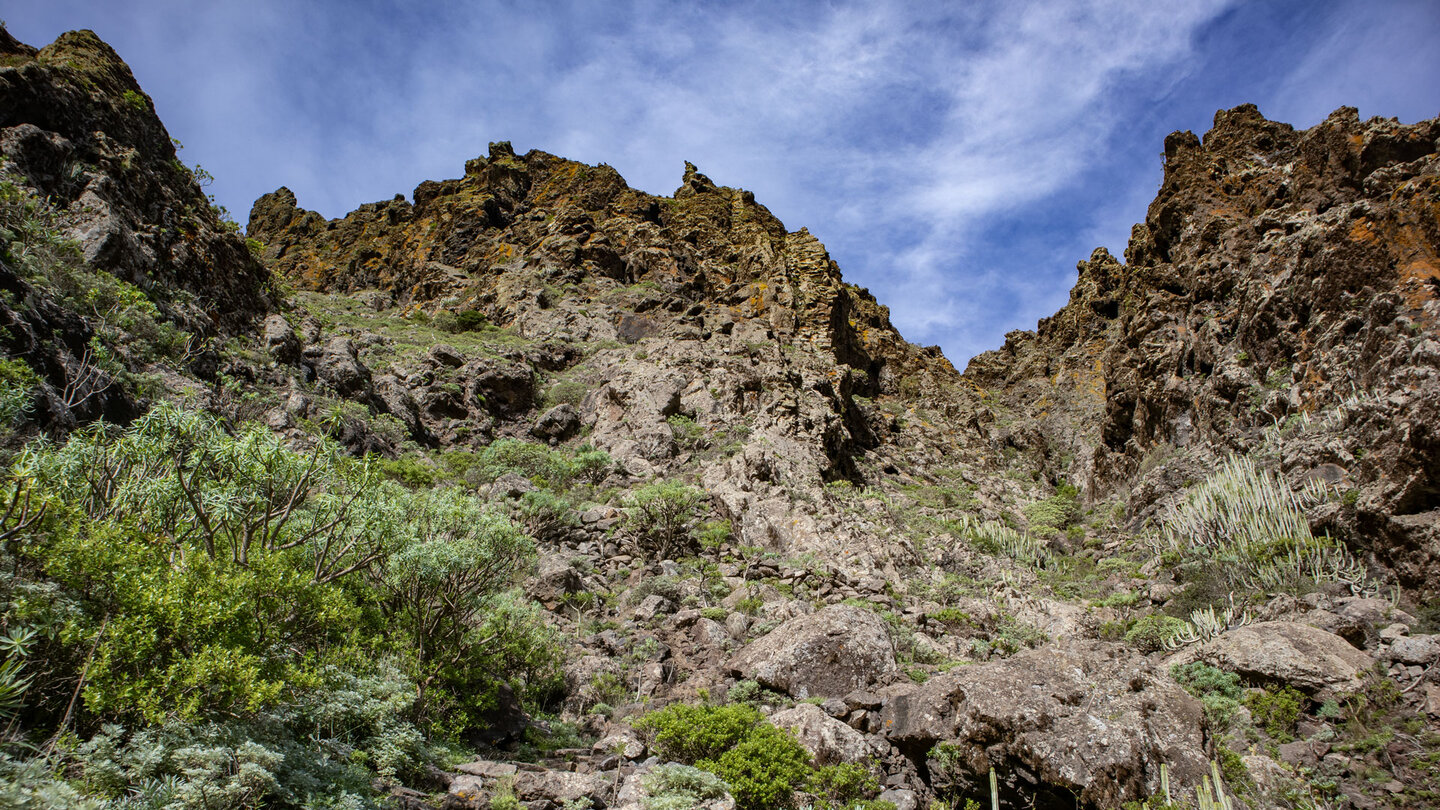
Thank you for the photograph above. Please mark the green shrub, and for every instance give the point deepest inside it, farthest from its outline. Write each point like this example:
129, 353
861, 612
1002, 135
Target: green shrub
688, 435
661, 516
1276, 710
844, 787
763, 770
690, 734
409, 471
17, 390
1054, 513
591, 465
566, 392
224, 568
1153, 632
1218, 690
468, 320
531, 460
545, 514
746, 692
680, 787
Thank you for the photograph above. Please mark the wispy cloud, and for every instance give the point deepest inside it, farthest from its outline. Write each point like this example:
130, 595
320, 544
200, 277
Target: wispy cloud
957, 161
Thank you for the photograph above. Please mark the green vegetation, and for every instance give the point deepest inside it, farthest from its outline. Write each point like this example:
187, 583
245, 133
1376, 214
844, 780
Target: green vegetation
1154, 632
680, 787
1055, 513
228, 599
1245, 528
661, 517
1276, 710
1219, 690
762, 765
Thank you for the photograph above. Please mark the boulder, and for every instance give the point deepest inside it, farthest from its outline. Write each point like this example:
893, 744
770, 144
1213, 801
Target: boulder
280, 340
1299, 655
503, 389
1417, 650
557, 424
337, 364
555, 578
652, 606
827, 653
466, 790
1079, 719
560, 787
902, 798
828, 740
622, 741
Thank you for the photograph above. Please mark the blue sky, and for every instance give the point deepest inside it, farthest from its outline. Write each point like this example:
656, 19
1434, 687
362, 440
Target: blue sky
957, 159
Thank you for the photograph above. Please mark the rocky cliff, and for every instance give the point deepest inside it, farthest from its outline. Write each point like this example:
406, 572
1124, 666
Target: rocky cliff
1280, 296
1181, 537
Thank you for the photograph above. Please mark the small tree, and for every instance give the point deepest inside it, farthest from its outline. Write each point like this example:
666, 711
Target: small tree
439, 582
661, 517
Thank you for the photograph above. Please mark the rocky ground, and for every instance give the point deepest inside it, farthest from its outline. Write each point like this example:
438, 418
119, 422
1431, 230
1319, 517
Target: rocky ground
930, 575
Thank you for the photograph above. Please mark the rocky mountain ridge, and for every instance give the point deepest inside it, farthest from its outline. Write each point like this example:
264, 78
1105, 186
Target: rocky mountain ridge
935, 579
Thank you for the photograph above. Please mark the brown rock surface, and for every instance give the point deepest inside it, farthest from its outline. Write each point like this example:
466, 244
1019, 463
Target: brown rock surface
1299, 655
1087, 718
827, 654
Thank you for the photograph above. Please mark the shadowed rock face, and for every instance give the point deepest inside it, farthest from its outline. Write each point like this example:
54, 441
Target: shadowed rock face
76, 126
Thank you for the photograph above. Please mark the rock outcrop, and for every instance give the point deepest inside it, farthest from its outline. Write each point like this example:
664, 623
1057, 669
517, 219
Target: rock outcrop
1086, 719
1282, 279
829, 653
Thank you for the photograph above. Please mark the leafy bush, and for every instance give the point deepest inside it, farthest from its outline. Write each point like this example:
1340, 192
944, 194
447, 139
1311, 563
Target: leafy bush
680, 787
591, 465
544, 514
17, 390
216, 572
536, 462
763, 765
566, 392
660, 516
1054, 513
1218, 690
687, 433
548, 467
845, 787
1154, 632
1276, 710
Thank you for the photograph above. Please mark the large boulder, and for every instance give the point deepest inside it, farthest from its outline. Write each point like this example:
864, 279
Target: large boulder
827, 739
827, 653
502, 389
1299, 655
1082, 719
280, 340
557, 424
338, 364
561, 787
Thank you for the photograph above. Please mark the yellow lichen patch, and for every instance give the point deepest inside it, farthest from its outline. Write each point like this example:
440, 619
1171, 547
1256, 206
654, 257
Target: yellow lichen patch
1361, 231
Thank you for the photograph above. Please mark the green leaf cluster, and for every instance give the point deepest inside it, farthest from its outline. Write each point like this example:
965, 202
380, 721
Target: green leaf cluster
234, 602
762, 764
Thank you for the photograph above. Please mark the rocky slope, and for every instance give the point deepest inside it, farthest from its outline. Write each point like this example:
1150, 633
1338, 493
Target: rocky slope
1279, 277
79, 136
883, 556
